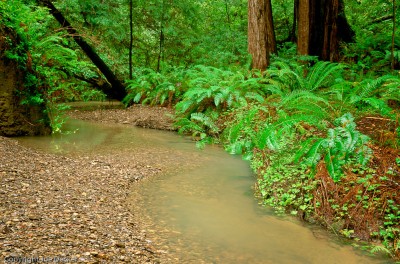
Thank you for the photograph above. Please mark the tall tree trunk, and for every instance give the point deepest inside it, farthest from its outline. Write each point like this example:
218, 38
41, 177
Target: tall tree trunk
303, 32
131, 38
118, 89
161, 38
393, 34
293, 35
271, 39
261, 35
330, 44
321, 26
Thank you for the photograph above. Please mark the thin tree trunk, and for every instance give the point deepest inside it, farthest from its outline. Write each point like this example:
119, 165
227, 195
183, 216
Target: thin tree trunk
131, 38
161, 43
271, 39
228, 17
118, 89
393, 33
161, 38
293, 37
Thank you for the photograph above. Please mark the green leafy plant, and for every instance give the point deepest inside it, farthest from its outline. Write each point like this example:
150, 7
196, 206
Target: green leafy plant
212, 88
201, 126
291, 76
343, 145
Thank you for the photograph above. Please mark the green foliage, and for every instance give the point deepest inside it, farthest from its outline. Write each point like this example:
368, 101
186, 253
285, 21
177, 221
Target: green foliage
151, 87
368, 95
342, 146
248, 130
293, 76
201, 50
390, 230
202, 127
215, 89
45, 56
370, 52
376, 93
283, 185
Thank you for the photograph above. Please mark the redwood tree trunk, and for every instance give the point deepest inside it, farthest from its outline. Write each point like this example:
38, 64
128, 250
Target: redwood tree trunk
303, 32
321, 26
330, 44
261, 35
118, 89
271, 39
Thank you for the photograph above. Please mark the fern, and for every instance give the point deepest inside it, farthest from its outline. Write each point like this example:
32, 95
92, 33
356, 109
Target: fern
297, 77
343, 145
375, 94
324, 74
215, 89
246, 131
201, 126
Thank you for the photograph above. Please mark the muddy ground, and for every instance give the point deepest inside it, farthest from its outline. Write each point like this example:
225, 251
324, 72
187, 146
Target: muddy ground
74, 208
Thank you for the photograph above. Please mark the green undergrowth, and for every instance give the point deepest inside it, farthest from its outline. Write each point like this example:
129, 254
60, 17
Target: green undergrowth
51, 64
297, 124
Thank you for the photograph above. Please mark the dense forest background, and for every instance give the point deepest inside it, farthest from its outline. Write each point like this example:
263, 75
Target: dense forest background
308, 91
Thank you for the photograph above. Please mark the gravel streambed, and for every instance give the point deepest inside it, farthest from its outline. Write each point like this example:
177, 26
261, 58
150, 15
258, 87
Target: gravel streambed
74, 208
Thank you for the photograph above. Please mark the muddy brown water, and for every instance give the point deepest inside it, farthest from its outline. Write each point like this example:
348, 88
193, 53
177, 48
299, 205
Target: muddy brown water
202, 210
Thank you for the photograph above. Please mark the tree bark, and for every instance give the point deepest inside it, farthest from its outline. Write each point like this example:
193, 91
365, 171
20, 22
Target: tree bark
330, 44
293, 35
271, 39
261, 35
322, 25
118, 89
303, 32
393, 35
131, 38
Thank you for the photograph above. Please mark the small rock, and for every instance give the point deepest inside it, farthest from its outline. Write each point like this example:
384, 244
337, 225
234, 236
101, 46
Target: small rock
33, 217
102, 256
120, 245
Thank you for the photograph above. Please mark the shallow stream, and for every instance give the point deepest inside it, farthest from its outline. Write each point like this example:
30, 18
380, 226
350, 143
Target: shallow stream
203, 209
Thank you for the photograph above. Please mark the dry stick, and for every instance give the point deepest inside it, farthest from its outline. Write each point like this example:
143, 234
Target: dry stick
378, 118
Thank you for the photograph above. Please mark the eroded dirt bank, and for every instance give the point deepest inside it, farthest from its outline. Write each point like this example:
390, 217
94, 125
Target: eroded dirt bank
74, 207
137, 115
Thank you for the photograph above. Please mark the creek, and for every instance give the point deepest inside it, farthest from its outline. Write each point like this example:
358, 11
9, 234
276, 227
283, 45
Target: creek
202, 209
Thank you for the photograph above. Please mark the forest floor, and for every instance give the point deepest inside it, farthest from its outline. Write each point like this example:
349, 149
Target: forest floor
75, 208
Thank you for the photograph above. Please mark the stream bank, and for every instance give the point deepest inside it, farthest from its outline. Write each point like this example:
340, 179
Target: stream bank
76, 204
72, 206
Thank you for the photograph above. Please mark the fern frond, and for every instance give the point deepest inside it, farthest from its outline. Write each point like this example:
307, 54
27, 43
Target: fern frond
323, 73
255, 97
185, 125
206, 121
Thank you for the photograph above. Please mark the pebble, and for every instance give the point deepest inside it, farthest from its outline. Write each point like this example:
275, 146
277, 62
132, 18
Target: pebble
62, 213
76, 205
